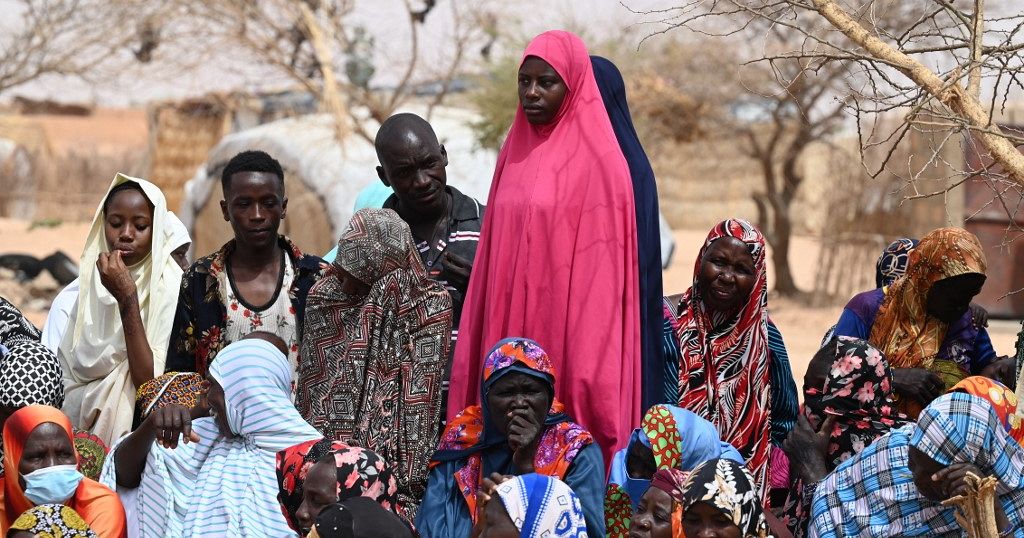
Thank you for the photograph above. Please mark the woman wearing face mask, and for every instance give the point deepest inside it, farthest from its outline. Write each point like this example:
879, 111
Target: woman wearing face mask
38, 445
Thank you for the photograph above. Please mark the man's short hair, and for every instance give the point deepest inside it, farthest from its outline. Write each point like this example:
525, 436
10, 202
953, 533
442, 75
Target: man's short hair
250, 161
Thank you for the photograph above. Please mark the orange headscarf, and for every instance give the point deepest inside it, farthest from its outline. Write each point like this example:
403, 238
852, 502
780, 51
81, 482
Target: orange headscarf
904, 331
96, 503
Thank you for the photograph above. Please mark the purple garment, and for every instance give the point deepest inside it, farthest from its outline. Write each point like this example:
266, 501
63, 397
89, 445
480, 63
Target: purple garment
965, 344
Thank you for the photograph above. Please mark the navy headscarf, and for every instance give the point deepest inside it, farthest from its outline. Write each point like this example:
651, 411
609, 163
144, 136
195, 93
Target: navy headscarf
645, 196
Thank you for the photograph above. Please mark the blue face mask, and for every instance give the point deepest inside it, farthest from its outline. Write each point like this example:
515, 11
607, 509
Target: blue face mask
52, 485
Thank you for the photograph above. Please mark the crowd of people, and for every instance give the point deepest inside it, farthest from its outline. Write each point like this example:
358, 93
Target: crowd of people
452, 370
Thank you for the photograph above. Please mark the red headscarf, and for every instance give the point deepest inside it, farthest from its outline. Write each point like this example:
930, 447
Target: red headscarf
723, 365
557, 260
97, 504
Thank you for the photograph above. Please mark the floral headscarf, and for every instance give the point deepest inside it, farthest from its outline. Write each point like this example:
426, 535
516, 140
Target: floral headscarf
53, 521
729, 488
858, 393
293, 464
1003, 401
470, 433
92, 453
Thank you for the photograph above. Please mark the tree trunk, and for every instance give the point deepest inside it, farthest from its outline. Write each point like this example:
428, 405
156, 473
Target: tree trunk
784, 283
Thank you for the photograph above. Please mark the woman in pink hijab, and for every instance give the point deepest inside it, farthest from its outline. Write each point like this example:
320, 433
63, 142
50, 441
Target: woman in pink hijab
557, 260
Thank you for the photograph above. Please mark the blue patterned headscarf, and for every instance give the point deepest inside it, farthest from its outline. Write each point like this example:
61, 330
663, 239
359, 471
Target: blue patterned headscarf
892, 264
541, 505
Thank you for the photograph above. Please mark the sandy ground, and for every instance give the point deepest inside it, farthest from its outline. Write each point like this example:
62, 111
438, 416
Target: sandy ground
801, 326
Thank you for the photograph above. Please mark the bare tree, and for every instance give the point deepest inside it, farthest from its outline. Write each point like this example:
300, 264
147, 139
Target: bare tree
316, 44
71, 38
948, 67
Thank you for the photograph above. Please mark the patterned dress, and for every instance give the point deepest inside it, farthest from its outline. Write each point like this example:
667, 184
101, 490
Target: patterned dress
371, 366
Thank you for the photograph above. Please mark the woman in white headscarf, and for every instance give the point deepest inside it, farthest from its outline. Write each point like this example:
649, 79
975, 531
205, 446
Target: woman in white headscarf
60, 309
117, 334
215, 476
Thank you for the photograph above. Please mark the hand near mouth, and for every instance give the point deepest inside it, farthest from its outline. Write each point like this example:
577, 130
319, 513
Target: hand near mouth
115, 277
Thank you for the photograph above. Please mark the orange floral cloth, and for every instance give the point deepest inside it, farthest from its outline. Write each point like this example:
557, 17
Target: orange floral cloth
97, 504
1003, 400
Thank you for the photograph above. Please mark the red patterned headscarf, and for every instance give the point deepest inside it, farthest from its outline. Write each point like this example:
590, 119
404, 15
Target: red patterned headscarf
723, 366
470, 433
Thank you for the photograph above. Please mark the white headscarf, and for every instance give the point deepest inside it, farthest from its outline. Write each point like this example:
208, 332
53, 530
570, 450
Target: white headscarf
226, 486
99, 393
542, 505
177, 233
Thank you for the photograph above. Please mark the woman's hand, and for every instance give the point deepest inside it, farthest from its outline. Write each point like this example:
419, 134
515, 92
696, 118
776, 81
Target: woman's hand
917, 383
170, 422
484, 493
1003, 370
523, 436
807, 449
115, 277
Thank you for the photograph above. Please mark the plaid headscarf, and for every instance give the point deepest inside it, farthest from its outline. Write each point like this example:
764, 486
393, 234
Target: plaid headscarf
873, 493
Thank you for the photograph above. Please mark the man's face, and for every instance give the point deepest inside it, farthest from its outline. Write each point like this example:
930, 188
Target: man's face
413, 165
254, 204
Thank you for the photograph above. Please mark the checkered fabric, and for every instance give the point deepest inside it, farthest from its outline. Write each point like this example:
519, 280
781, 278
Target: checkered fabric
873, 493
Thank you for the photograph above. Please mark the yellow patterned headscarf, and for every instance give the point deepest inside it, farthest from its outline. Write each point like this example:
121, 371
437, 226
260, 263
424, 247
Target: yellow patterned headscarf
903, 330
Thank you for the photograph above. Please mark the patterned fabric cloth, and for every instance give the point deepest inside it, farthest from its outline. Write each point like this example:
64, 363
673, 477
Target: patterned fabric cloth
678, 439
727, 486
293, 464
670, 351
97, 504
471, 432
53, 521
673, 482
29, 374
277, 316
892, 264
92, 453
224, 484
182, 388
542, 506
371, 366
873, 493
1003, 401
903, 330
199, 322
858, 393
360, 473
724, 367
14, 325
858, 396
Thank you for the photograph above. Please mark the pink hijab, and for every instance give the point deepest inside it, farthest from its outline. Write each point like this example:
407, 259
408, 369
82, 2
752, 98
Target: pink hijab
557, 260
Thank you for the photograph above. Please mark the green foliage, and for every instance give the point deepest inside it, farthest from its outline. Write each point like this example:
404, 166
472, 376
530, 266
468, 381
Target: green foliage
495, 99
45, 223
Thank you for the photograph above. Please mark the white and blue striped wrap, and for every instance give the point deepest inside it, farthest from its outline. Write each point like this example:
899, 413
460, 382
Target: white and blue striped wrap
543, 506
226, 486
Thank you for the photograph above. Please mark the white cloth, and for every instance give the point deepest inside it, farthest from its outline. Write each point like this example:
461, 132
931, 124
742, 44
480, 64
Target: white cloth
225, 486
60, 312
99, 393
177, 233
